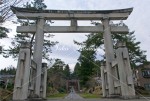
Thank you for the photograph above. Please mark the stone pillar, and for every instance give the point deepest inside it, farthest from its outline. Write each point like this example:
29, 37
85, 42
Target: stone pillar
103, 79
22, 73
37, 55
32, 79
78, 85
125, 72
44, 80
67, 87
109, 54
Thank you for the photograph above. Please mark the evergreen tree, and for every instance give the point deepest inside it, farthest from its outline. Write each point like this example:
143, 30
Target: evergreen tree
8, 71
136, 55
30, 37
87, 65
37, 5
56, 76
67, 72
3, 34
76, 70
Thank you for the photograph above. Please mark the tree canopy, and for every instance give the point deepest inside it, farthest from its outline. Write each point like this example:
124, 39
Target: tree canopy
136, 55
88, 65
58, 73
30, 37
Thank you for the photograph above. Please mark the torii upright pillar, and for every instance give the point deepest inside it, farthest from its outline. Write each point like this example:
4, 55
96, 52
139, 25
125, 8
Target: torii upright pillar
109, 56
37, 55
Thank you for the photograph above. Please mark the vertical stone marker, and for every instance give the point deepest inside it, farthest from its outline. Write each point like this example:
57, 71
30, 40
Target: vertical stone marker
37, 55
103, 79
22, 74
125, 72
44, 80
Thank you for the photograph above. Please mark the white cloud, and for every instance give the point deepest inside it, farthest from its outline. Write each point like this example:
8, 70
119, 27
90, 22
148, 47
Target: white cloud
139, 20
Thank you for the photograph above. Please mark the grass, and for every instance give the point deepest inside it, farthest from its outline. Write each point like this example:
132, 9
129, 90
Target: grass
84, 95
60, 95
87, 95
5, 95
144, 95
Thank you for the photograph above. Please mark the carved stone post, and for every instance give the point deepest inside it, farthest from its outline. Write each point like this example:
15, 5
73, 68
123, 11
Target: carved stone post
44, 80
125, 72
22, 74
103, 79
32, 79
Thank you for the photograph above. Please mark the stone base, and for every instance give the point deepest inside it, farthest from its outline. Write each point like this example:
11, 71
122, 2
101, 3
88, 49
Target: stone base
129, 97
36, 99
32, 99
122, 97
113, 96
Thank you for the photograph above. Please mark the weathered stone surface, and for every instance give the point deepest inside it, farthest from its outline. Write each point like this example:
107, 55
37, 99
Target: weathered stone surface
72, 29
37, 55
22, 74
120, 14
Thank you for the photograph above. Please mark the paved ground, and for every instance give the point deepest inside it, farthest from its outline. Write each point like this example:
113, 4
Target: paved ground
97, 100
73, 96
142, 99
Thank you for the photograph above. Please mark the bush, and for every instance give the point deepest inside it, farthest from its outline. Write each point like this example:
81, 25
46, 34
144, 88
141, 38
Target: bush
62, 90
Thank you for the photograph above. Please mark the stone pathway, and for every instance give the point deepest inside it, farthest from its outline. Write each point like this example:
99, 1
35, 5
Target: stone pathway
98, 99
73, 95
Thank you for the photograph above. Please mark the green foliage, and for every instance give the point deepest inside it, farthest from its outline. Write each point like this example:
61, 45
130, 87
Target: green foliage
10, 86
136, 55
67, 72
59, 95
57, 75
87, 65
3, 32
88, 95
8, 70
76, 71
37, 5
30, 37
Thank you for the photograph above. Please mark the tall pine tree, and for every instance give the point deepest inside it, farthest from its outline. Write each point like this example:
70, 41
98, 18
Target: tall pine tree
136, 55
30, 37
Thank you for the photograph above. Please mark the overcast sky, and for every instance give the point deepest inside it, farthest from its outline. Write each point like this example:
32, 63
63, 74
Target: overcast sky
138, 21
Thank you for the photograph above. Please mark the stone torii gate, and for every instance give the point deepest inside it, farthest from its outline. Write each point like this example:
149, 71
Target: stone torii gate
74, 15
